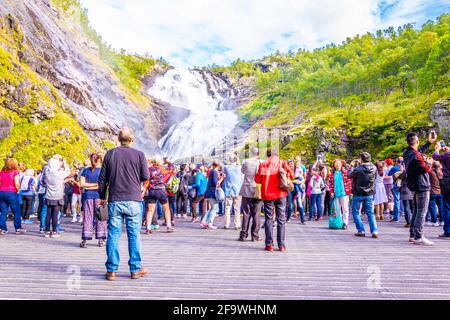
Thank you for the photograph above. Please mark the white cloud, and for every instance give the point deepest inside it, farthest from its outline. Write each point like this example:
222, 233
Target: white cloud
201, 32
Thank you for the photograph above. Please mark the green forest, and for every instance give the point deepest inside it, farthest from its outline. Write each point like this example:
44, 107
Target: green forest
372, 88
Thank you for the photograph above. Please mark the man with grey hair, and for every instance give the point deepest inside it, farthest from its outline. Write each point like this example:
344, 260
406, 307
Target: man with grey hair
251, 203
123, 171
231, 186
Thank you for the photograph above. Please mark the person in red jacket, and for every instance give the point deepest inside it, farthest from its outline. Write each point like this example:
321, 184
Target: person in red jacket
340, 186
274, 197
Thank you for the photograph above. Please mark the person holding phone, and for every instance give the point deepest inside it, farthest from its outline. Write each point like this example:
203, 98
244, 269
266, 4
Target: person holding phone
444, 159
418, 181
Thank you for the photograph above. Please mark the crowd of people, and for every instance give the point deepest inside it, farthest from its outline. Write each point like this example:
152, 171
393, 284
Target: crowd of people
140, 191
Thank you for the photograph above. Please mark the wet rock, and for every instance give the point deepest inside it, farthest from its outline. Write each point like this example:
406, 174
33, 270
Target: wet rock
440, 113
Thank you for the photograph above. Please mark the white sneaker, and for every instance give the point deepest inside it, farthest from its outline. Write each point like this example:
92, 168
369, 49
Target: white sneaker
441, 224
74, 219
423, 241
436, 224
428, 223
81, 220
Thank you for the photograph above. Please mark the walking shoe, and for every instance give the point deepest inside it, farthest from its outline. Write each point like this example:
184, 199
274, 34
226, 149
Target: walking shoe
80, 220
83, 244
55, 235
428, 224
241, 239
184, 216
21, 231
148, 231
47, 235
139, 274
170, 229
360, 234
436, 224
110, 276
444, 236
407, 225
423, 241
3, 232
375, 235
269, 248
283, 249
74, 219
441, 224
211, 226
41, 231
101, 243
256, 239
344, 227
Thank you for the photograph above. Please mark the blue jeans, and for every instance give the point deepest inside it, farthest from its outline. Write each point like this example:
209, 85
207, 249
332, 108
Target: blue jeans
408, 206
290, 206
43, 216
160, 209
446, 214
10, 199
173, 205
367, 202
131, 212
316, 205
396, 195
436, 202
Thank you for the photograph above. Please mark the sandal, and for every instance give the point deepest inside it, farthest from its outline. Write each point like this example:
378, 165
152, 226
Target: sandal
83, 244
170, 229
101, 243
148, 231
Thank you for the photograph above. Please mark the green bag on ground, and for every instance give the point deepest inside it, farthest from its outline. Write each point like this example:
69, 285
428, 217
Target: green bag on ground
335, 222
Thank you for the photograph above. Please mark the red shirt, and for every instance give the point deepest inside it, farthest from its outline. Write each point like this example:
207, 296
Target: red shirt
268, 176
7, 180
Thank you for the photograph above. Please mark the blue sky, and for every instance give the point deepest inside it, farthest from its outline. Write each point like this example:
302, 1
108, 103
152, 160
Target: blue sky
191, 33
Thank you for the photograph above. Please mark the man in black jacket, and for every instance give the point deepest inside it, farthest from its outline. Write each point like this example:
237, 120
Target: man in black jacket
363, 176
123, 171
418, 182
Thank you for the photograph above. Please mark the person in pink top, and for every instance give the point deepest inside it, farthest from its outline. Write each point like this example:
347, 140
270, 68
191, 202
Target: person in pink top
9, 187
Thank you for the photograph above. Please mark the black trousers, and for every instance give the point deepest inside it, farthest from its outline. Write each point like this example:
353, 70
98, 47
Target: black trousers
182, 203
52, 215
41, 205
27, 207
251, 209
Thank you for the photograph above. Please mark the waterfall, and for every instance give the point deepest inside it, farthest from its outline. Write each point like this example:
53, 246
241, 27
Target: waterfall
207, 98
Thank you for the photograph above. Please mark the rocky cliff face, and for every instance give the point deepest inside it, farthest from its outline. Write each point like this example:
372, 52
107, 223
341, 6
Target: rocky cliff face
63, 74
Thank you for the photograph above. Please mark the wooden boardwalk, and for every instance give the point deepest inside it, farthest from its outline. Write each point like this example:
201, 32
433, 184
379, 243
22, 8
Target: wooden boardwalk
203, 264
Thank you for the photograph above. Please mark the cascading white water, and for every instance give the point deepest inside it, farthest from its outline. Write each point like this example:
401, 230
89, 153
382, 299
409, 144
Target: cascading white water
203, 95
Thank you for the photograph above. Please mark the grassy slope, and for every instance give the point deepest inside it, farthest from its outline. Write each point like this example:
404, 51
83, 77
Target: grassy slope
376, 115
